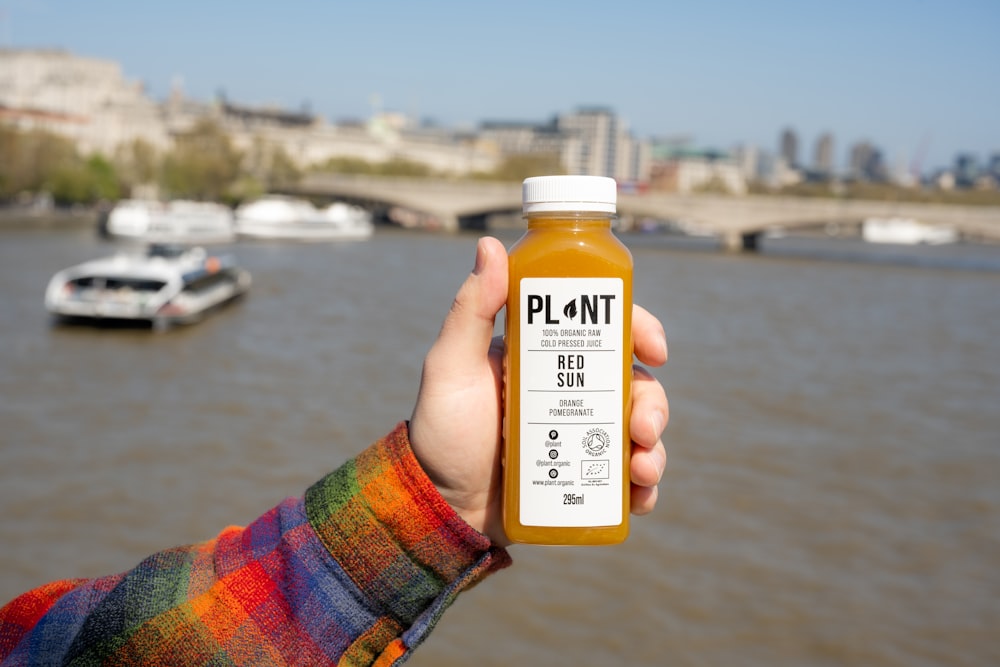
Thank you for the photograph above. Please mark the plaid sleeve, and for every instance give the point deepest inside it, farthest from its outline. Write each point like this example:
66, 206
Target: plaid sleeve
358, 572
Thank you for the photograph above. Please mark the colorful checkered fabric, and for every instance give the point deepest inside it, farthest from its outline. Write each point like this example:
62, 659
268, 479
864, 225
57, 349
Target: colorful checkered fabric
356, 573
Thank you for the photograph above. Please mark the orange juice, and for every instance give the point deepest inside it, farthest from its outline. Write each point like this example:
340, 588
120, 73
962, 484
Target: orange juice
568, 368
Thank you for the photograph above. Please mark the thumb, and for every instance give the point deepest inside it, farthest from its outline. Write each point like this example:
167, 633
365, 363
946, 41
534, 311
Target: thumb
468, 327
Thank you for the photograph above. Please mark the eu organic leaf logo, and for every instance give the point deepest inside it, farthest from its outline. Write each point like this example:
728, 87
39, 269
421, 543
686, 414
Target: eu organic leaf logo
570, 309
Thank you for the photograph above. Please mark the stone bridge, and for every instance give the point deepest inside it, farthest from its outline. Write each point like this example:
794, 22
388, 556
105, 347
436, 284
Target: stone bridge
737, 221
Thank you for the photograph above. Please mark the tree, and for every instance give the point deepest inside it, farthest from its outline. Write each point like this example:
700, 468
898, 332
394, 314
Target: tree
525, 165
203, 165
137, 164
30, 158
84, 182
397, 166
282, 170
269, 165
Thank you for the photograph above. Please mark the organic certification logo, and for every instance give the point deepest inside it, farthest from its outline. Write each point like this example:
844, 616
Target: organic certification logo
596, 442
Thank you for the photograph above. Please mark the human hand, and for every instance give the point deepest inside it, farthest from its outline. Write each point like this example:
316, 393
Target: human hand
455, 429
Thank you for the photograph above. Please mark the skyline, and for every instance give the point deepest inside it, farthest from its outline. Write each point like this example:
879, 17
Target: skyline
911, 78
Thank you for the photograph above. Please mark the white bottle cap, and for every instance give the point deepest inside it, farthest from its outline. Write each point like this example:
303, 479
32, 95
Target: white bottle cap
542, 194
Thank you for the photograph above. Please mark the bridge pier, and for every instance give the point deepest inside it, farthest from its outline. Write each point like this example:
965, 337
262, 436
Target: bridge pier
741, 241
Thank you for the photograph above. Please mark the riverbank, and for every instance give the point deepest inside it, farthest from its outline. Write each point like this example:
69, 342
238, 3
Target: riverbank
47, 217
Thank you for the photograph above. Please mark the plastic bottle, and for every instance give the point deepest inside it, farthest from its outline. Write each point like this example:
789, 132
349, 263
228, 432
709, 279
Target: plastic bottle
568, 368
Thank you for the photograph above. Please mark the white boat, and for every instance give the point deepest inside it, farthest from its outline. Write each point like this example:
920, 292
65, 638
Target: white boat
291, 218
164, 285
177, 221
905, 231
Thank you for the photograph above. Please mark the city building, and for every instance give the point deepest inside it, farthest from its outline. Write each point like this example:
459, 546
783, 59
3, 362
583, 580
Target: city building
684, 170
966, 170
751, 161
994, 166
990, 178
87, 100
524, 138
866, 163
823, 157
590, 141
603, 146
788, 149
598, 131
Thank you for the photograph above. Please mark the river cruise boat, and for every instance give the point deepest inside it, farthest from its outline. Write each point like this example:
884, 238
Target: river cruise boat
176, 221
905, 231
162, 286
294, 219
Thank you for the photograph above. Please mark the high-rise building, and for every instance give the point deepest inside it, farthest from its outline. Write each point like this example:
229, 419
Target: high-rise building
866, 163
823, 158
750, 160
966, 170
994, 167
598, 130
599, 144
789, 148
590, 141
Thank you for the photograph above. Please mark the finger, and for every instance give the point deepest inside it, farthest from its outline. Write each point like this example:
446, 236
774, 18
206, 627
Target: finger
643, 499
468, 327
650, 408
648, 338
497, 347
647, 465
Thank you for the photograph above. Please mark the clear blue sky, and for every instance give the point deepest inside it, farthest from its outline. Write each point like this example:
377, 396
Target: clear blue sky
910, 76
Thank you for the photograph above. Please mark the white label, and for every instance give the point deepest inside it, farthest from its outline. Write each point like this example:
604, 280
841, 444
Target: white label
571, 427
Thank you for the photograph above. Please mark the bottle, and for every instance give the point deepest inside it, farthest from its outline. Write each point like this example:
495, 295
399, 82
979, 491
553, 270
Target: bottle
568, 368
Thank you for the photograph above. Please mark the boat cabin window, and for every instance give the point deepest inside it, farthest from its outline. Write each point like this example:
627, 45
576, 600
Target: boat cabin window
167, 250
134, 284
206, 281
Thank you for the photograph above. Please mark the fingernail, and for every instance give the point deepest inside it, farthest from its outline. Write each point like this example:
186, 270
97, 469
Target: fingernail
480, 258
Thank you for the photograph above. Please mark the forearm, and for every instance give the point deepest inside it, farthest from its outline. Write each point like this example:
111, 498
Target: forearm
410, 564
361, 568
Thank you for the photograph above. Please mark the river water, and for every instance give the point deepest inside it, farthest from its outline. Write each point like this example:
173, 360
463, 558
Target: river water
832, 491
